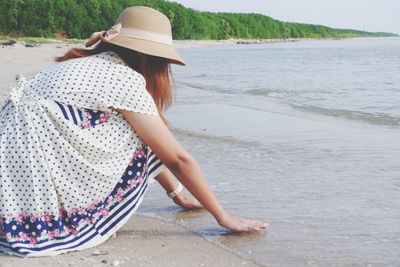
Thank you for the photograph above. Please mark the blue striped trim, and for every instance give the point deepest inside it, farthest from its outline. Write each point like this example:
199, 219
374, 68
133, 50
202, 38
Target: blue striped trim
140, 192
80, 243
9, 249
157, 165
73, 114
116, 213
124, 214
119, 209
62, 109
121, 217
153, 160
69, 112
6, 245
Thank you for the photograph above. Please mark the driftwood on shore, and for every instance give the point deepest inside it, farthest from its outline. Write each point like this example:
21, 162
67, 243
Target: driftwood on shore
14, 42
9, 43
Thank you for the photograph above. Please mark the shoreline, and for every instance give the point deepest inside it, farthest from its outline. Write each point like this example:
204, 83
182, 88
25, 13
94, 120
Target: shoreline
143, 241
209, 43
8, 41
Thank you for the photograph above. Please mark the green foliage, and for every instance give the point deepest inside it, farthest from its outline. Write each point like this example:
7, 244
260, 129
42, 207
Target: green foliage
79, 18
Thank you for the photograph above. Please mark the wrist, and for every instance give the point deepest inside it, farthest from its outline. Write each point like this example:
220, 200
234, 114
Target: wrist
221, 217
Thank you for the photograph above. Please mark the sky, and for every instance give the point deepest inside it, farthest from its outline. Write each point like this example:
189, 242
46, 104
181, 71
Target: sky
368, 15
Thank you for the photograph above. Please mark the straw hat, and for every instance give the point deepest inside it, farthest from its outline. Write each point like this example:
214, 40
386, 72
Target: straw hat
142, 29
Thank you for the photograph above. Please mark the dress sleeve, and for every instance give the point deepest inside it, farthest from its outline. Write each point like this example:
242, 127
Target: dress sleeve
129, 92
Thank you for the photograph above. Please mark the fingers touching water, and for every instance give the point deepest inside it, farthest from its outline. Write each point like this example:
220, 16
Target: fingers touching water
242, 225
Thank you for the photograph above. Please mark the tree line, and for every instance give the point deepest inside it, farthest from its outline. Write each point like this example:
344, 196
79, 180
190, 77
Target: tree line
79, 18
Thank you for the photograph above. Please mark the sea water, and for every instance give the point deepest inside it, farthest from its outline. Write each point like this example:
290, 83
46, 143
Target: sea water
303, 135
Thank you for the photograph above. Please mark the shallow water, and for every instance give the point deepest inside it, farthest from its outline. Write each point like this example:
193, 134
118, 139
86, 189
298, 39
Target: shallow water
303, 135
351, 78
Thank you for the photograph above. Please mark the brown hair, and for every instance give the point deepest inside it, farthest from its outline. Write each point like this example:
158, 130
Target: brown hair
155, 70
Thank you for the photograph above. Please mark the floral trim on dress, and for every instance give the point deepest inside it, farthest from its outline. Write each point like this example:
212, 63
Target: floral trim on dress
40, 227
92, 117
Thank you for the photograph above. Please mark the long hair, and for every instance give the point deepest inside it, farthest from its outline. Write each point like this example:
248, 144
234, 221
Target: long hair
155, 70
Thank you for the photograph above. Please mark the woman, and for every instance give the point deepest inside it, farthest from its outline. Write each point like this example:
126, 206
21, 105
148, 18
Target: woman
82, 138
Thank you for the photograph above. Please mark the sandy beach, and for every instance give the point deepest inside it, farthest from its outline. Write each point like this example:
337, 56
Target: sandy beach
143, 241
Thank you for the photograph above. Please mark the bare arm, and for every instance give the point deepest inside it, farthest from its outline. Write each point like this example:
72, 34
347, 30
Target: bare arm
154, 133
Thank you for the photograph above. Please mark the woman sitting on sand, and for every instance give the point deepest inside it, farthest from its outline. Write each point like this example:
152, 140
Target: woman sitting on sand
82, 138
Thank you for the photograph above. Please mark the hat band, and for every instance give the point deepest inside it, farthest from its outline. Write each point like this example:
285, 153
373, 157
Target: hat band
150, 36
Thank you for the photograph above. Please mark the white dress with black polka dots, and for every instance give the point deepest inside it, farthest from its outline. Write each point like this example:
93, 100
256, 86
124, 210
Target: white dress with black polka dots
72, 169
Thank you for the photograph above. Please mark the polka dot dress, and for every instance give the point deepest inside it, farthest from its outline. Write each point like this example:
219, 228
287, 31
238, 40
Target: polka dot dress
72, 169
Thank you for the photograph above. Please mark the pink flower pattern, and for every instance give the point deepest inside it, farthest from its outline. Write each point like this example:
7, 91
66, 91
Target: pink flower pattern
18, 227
90, 118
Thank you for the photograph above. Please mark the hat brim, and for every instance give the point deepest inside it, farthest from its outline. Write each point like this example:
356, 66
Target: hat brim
148, 47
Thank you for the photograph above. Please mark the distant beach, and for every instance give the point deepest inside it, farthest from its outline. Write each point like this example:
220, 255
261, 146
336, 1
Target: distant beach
35, 42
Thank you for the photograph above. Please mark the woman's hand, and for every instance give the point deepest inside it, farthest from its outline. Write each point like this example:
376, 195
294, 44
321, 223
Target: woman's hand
187, 202
242, 225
